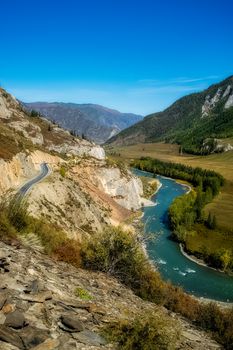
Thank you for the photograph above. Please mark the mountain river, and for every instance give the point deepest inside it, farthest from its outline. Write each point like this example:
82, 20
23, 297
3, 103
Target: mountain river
196, 279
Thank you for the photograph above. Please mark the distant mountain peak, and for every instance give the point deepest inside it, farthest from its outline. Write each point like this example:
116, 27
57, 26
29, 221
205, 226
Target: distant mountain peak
96, 122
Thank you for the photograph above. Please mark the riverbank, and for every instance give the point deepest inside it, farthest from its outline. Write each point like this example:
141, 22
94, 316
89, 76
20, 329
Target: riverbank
147, 202
195, 259
199, 261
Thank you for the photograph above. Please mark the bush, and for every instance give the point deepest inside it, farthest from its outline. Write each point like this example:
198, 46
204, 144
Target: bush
7, 230
14, 221
62, 171
119, 253
82, 294
57, 244
146, 332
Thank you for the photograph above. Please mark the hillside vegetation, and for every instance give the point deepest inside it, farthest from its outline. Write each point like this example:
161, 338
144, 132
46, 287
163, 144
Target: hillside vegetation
196, 122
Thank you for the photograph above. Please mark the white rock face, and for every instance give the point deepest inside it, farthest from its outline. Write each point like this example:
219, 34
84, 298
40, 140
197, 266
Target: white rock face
229, 102
4, 111
228, 147
80, 149
227, 91
210, 103
29, 130
97, 152
125, 190
6, 103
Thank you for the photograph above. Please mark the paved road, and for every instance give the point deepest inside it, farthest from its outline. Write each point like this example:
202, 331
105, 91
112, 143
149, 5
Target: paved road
25, 188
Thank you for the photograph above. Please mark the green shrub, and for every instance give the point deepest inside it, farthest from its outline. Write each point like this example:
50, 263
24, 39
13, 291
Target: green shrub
56, 242
119, 253
7, 230
18, 214
146, 332
82, 294
62, 171
13, 218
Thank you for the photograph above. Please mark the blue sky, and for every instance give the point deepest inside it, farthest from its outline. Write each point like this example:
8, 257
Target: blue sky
132, 55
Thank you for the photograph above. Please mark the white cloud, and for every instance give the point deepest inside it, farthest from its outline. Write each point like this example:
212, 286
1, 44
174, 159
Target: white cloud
177, 80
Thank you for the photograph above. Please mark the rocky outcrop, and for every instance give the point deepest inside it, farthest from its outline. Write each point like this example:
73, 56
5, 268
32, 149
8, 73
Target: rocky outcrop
126, 189
119, 184
212, 145
41, 306
7, 103
62, 201
210, 103
229, 102
29, 131
80, 149
227, 91
38, 131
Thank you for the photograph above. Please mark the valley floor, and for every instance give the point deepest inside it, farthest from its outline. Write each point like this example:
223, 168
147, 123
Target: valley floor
222, 205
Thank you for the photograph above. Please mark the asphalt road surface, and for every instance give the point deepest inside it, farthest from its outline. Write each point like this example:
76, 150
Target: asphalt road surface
26, 187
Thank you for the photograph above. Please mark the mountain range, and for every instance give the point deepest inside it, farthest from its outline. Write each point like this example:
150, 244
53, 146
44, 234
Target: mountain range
97, 123
199, 122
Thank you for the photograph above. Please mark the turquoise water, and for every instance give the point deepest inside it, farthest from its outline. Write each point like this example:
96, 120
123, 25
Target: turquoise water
195, 279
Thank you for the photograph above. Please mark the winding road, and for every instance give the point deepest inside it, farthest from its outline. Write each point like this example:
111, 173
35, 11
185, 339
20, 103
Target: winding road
26, 187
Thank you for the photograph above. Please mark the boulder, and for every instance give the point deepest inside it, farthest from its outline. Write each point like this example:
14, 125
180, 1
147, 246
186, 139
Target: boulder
8, 308
90, 338
71, 323
15, 320
37, 298
32, 336
48, 344
35, 287
10, 336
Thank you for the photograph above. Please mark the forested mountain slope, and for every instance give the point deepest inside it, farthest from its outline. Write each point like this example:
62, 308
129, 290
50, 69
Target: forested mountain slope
198, 122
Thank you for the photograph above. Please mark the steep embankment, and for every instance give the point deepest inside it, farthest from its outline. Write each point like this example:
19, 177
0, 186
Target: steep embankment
198, 122
55, 306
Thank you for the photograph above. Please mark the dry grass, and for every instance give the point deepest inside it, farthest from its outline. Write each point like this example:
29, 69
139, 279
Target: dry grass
222, 205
